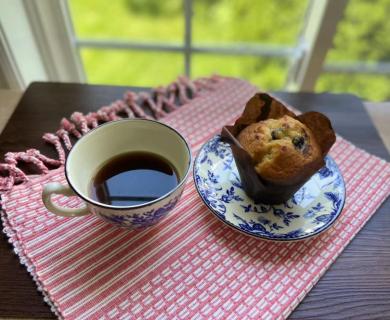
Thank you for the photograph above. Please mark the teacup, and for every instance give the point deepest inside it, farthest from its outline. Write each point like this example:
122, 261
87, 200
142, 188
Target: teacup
110, 140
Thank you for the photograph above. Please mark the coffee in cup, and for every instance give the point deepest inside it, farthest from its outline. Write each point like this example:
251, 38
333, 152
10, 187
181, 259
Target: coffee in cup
130, 173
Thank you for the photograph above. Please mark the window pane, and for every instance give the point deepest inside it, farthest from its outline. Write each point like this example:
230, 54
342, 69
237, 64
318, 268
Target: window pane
131, 68
267, 73
363, 35
260, 21
131, 19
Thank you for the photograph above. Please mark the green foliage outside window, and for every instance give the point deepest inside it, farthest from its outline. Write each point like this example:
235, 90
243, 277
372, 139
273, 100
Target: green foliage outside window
362, 36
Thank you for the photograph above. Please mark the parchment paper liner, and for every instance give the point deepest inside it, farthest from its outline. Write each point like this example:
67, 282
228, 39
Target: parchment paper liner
263, 106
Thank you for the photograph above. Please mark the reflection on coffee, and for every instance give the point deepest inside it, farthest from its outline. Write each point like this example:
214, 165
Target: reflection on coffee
133, 178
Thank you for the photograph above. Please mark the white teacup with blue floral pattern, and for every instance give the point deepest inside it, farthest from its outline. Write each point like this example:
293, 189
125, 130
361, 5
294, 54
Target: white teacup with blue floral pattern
107, 141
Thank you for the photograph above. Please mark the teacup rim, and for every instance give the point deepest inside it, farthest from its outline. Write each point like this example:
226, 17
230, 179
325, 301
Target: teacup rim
142, 205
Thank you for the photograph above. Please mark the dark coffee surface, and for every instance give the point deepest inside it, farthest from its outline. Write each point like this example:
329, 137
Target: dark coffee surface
133, 178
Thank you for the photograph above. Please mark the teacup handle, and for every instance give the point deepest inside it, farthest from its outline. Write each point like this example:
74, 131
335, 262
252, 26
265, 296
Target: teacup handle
57, 188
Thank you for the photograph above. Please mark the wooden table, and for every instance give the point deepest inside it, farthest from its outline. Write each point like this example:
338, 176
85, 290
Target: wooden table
357, 285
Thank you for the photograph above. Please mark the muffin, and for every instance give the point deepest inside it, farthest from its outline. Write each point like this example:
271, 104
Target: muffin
281, 149
275, 151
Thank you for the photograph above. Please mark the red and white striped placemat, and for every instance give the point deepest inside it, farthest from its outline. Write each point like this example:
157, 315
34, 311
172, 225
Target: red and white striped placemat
191, 265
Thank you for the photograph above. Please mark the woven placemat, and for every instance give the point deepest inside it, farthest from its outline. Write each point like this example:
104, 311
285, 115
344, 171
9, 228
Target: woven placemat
191, 265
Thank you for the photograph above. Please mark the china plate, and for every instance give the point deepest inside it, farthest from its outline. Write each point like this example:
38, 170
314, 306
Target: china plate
310, 211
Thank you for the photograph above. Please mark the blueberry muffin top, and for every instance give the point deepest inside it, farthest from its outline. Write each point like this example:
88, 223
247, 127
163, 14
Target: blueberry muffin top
281, 149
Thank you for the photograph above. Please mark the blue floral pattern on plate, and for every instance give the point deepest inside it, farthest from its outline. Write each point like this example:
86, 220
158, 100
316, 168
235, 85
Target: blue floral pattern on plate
311, 210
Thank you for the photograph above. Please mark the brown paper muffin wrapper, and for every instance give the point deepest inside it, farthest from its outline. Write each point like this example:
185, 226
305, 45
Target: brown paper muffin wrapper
260, 107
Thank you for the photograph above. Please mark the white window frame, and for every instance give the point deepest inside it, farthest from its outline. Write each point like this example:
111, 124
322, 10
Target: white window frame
315, 40
53, 32
10, 76
36, 43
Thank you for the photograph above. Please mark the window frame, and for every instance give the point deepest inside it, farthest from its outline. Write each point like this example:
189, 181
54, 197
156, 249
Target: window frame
59, 49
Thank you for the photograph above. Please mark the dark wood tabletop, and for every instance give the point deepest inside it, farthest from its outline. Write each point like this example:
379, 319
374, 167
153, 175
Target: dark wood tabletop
357, 285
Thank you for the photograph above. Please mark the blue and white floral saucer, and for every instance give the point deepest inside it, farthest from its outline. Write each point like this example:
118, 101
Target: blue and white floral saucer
310, 211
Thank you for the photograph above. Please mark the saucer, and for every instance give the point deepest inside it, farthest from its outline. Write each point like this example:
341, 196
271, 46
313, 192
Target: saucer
310, 211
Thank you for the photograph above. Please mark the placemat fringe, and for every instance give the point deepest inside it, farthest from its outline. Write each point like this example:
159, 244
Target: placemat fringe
160, 101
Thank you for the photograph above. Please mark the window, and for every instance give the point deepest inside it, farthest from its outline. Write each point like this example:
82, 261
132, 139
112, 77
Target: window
273, 44
150, 42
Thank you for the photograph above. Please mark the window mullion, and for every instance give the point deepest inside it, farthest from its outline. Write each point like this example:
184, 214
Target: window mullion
314, 42
187, 4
